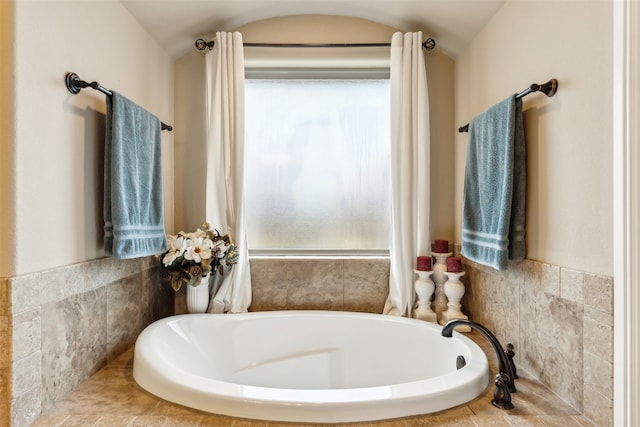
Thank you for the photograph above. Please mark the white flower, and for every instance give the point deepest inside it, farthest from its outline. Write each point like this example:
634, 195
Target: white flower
198, 249
219, 248
177, 246
199, 234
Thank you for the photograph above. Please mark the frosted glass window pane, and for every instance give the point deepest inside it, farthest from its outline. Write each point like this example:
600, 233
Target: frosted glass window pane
317, 164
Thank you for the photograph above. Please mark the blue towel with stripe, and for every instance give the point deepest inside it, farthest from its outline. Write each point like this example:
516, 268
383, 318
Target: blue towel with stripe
133, 205
494, 201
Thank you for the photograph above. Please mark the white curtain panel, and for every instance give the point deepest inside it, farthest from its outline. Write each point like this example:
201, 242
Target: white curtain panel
409, 169
225, 165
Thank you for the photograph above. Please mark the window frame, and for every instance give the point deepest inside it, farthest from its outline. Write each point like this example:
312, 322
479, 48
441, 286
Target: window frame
319, 73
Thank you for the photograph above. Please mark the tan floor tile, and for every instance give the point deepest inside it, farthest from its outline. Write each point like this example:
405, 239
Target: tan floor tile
79, 421
148, 421
525, 421
485, 408
164, 407
183, 421
457, 411
48, 420
455, 421
248, 423
125, 359
419, 421
559, 421
583, 421
490, 421
289, 424
216, 421
538, 400
111, 391
113, 421
400, 422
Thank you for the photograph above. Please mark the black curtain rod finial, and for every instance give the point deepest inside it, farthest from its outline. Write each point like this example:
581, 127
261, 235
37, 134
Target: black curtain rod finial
429, 44
201, 44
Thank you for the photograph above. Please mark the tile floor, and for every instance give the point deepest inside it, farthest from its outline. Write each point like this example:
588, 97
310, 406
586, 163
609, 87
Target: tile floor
111, 398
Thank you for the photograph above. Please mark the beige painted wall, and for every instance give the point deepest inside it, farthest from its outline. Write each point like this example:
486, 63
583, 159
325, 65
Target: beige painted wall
56, 217
7, 145
569, 203
189, 97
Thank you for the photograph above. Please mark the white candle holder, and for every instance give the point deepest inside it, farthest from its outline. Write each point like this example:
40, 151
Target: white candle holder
454, 291
424, 288
439, 278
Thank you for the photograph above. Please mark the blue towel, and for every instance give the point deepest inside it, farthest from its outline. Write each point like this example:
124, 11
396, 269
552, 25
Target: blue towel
494, 202
133, 207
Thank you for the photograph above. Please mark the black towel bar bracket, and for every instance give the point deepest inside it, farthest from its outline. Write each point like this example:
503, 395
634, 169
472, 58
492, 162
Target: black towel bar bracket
549, 88
75, 85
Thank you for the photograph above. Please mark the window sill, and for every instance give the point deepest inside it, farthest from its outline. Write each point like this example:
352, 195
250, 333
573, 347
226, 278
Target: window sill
383, 255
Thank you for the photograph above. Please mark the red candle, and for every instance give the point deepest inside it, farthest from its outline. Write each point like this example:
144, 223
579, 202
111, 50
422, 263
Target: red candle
424, 263
441, 246
454, 265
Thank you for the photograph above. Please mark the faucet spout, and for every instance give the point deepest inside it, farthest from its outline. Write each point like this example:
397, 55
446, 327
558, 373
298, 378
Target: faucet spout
503, 363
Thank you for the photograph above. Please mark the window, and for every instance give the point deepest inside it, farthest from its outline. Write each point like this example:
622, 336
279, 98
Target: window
317, 164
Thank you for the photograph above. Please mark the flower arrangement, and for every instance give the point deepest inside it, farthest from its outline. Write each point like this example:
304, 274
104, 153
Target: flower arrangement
194, 255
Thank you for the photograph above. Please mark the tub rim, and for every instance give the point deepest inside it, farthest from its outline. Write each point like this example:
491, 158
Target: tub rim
422, 396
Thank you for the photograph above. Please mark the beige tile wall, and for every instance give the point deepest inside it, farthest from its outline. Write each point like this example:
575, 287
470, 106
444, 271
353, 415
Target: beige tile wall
67, 323
561, 323
330, 284
63, 325
5, 354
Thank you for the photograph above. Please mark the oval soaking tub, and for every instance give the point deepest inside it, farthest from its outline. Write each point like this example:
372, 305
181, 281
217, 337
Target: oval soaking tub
307, 366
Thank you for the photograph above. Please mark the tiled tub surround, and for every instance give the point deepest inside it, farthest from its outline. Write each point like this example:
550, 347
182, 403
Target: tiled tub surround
559, 319
59, 327
561, 323
349, 284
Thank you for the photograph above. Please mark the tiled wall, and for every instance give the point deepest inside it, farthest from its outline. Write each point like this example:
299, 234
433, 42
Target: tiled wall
5, 354
67, 323
325, 284
561, 323
58, 327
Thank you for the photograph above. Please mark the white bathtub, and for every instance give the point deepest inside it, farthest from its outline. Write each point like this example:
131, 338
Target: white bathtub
307, 366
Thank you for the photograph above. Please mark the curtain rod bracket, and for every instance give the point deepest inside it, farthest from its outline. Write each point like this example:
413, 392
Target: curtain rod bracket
201, 44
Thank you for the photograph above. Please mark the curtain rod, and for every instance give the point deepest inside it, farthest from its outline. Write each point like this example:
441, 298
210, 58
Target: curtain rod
549, 88
75, 85
201, 44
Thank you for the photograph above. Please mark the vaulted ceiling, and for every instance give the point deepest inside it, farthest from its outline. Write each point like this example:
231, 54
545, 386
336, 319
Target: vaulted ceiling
175, 24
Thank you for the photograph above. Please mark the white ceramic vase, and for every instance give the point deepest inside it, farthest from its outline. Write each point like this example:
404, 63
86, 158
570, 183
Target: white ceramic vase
198, 296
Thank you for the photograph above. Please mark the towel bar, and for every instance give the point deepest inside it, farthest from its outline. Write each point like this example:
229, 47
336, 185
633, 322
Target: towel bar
75, 85
549, 88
